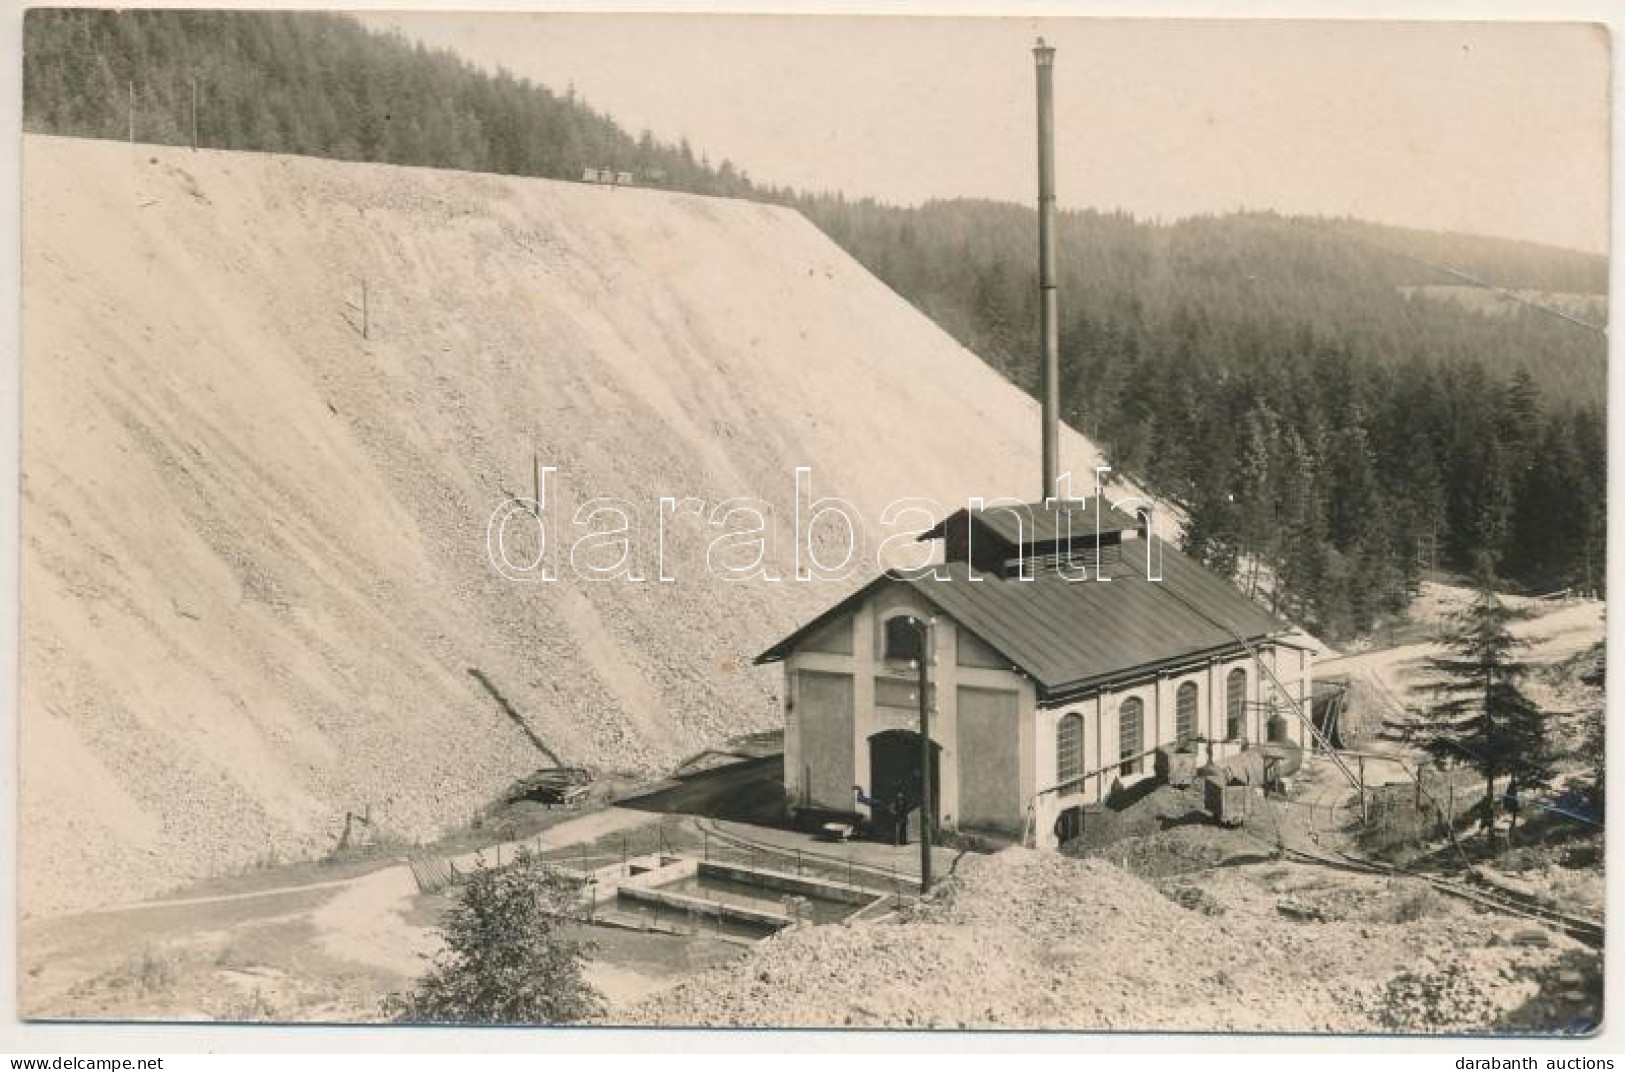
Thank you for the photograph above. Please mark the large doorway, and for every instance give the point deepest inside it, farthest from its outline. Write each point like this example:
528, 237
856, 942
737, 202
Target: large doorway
894, 773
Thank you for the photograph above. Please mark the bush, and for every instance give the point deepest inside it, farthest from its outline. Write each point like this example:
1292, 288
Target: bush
504, 961
1417, 903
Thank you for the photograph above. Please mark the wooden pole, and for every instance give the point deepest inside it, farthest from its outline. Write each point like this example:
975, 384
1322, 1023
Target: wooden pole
926, 817
1364, 816
194, 113
132, 112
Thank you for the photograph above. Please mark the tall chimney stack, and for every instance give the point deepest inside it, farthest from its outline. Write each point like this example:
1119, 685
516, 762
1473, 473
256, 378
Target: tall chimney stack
1044, 56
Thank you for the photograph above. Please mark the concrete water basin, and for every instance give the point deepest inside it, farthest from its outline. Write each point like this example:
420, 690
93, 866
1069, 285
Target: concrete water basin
751, 901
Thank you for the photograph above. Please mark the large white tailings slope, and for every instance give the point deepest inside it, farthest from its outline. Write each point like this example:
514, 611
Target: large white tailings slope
254, 567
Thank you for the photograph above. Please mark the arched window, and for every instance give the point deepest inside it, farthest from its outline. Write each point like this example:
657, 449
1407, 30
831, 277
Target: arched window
1185, 713
1069, 750
1130, 735
1235, 704
902, 638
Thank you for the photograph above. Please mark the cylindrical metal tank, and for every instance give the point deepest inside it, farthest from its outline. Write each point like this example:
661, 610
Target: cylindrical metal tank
1281, 760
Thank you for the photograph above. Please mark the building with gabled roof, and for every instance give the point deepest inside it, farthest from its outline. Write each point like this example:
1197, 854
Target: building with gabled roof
1064, 647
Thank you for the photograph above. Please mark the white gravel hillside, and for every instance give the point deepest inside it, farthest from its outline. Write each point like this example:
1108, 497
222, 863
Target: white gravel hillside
254, 568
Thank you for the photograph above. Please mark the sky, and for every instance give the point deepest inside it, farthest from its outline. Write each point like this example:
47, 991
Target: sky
1497, 129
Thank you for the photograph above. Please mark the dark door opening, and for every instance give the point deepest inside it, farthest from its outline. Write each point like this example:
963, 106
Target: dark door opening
895, 782
1069, 825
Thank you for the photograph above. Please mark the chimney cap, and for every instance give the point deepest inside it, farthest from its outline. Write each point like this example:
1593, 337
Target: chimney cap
1044, 53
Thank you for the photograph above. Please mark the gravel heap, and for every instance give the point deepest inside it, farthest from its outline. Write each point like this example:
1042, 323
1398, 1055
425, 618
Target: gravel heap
254, 543
1449, 1002
1029, 940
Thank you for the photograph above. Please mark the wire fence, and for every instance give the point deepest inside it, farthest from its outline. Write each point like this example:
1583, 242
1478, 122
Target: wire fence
603, 865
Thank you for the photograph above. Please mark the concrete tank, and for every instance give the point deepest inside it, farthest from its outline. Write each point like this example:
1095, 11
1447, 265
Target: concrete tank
1176, 765
1243, 768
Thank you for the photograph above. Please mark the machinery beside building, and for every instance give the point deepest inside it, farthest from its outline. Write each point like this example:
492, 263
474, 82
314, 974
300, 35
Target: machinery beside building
1049, 686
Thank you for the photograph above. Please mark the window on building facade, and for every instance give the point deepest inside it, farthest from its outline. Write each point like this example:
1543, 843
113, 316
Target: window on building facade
901, 694
1131, 735
1185, 713
902, 638
1069, 750
1235, 704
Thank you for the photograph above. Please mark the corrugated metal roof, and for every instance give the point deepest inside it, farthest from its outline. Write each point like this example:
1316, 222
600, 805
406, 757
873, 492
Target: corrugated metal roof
1038, 522
1071, 634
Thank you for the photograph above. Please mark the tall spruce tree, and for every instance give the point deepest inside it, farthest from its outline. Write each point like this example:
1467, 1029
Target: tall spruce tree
1482, 718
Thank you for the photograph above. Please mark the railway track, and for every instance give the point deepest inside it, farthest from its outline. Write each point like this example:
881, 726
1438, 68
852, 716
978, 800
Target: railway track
1580, 928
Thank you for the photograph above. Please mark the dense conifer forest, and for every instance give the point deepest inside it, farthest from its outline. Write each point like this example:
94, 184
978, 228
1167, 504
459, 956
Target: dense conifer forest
1338, 406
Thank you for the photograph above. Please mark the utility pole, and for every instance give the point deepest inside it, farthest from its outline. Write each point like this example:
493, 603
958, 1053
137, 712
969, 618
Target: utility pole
927, 816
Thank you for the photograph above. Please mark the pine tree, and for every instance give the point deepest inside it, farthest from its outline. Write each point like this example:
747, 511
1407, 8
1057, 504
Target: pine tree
1594, 750
1303, 530
1256, 494
1482, 717
1209, 534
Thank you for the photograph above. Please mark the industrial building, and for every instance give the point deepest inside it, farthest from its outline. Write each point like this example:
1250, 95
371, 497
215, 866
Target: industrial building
1065, 650
1057, 663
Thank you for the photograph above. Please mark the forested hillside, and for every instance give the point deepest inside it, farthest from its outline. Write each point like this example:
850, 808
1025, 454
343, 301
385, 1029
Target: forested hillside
1322, 420
1273, 376
320, 84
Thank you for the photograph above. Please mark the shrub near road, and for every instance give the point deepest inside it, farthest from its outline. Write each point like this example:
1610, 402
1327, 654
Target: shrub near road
505, 961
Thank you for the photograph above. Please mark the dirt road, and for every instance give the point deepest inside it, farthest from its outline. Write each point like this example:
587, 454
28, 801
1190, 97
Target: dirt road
1392, 680
332, 945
